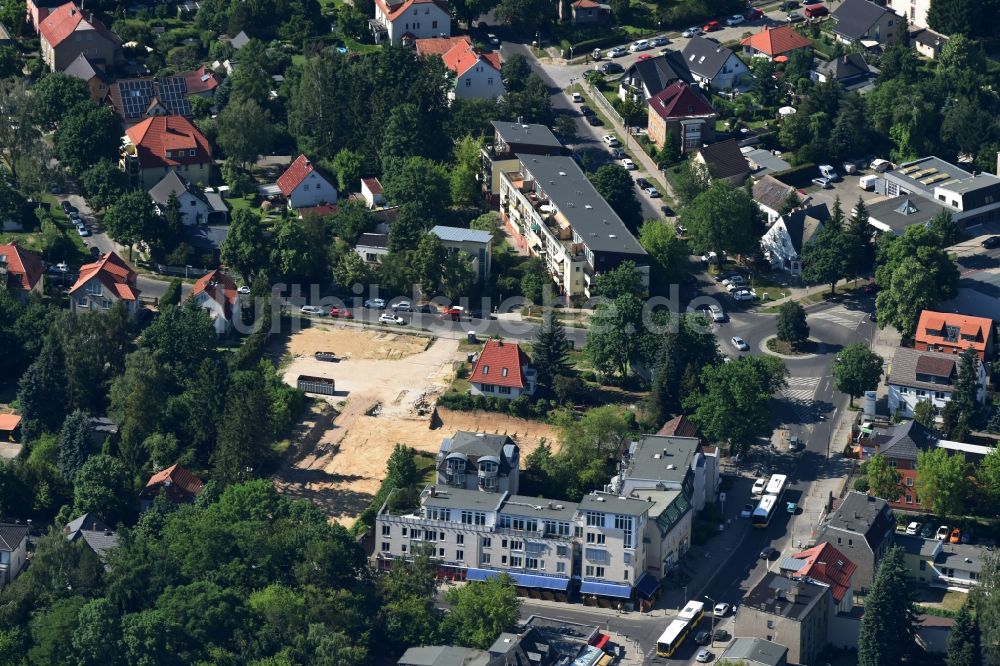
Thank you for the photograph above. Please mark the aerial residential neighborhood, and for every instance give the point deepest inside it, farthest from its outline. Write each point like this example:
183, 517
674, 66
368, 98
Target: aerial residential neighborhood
437, 333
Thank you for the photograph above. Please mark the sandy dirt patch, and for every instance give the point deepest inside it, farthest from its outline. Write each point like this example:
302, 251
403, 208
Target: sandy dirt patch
355, 343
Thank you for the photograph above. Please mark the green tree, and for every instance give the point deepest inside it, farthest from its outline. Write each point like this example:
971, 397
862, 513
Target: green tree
74, 443
41, 393
245, 249
942, 482
887, 627
857, 369
87, 134
529, 101
613, 336
986, 597
103, 183
732, 405
131, 218
348, 165
621, 280
953, 17
689, 182
465, 173
925, 413
670, 255
724, 219
103, 487
350, 270
490, 222
97, 638
550, 350
964, 647
565, 126
243, 430
149, 638
299, 248
49, 629
859, 241
883, 480
960, 409
615, 184
420, 183
826, 258
55, 95
945, 228
180, 339
480, 611
791, 325
427, 263
21, 145
245, 131
172, 295
409, 227
905, 292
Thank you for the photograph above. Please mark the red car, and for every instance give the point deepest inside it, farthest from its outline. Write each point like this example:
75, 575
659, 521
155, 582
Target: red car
711, 26
343, 314
644, 56
753, 14
816, 10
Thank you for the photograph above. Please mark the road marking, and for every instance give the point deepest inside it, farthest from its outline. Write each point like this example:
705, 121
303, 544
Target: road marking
840, 316
799, 395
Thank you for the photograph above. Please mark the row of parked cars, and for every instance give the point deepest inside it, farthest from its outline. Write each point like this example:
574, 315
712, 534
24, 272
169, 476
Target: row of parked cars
943, 532
74, 215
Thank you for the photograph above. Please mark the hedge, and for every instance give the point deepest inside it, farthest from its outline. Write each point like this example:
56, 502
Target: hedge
522, 406
588, 45
800, 176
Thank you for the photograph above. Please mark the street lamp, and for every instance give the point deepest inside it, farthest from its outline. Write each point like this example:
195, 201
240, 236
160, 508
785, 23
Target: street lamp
713, 619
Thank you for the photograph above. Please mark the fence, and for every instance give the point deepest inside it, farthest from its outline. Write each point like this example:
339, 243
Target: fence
185, 271
600, 100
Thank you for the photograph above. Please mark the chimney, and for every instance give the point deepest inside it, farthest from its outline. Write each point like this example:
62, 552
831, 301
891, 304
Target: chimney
434, 491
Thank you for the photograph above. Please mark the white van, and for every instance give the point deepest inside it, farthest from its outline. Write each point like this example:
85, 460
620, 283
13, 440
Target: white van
829, 172
867, 183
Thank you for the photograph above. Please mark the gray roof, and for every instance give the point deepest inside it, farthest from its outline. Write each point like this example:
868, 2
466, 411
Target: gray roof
240, 40
771, 192
525, 134
803, 223
903, 211
756, 651
861, 514
476, 444
100, 542
725, 159
11, 536
443, 655
659, 72
373, 240
785, 597
83, 69
660, 458
460, 498
669, 506
845, 68
173, 183
961, 557
765, 160
522, 505
705, 57
591, 217
904, 368
207, 236
905, 440
854, 17
86, 521
926, 173
460, 235
914, 544
215, 202
930, 38
606, 503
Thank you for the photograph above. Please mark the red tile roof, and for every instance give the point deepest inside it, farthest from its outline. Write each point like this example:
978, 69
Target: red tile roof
9, 421
776, 41
24, 268
179, 485
201, 80
373, 185
586, 4
501, 364
458, 53
322, 210
439, 45
393, 10
679, 100
113, 273
295, 174
934, 322
679, 426
155, 136
64, 20
827, 565
219, 287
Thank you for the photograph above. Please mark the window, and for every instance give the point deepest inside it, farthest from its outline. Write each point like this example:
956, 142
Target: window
531, 563
386, 530
770, 625
503, 544
440, 536
484, 558
489, 81
487, 388
940, 395
839, 541
487, 542
486, 369
94, 288
503, 559
460, 539
625, 523
403, 548
503, 389
892, 462
440, 552
601, 537
385, 547
562, 551
404, 531
503, 372
560, 567
517, 545
588, 570
468, 83
460, 555
434, 24
191, 153
625, 575
516, 561
591, 537
170, 153
305, 188
909, 481
850, 542
920, 393
909, 499
599, 572
903, 390
595, 519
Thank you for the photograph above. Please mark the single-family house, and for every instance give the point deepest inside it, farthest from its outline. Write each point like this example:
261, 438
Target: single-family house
371, 191
928, 43
161, 144
303, 186
13, 552
850, 70
645, 78
477, 72
240, 40
865, 23
773, 196
21, 271
791, 612
474, 244
773, 42
479, 461
916, 376
715, 66
403, 21
755, 652
38, 10
10, 427
176, 483
202, 82
372, 247
588, 12
915, 11
502, 370
194, 207
825, 564
66, 33
93, 533
953, 333
216, 292
723, 161
783, 243
861, 527
681, 118
901, 444
103, 283
939, 563
91, 73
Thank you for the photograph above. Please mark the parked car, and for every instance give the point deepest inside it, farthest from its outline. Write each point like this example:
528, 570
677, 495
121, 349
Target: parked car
768, 553
711, 26
311, 310
721, 635
753, 14
389, 318
612, 68
641, 45
758, 487
375, 304
942, 533
644, 56
652, 192
927, 531
578, 98
734, 278
617, 153
668, 212
341, 313
586, 110
595, 121
703, 637
746, 511
628, 164
735, 19
913, 528
956, 536
691, 32
991, 242
641, 183
704, 656
739, 343
828, 172
721, 610
792, 508
794, 443
402, 306
616, 52
823, 183
793, 17
659, 41
744, 295
611, 140
816, 11
716, 313
245, 289
879, 165
492, 39
83, 231
65, 205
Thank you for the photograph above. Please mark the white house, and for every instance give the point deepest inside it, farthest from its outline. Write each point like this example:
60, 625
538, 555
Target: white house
371, 190
372, 247
477, 72
917, 376
502, 371
712, 64
216, 292
303, 186
397, 21
477, 245
13, 551
915, 11
194, 207
771, 195
783, 242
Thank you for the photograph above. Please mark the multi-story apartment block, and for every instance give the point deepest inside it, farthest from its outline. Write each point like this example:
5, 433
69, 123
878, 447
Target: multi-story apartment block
511, 139
553, 211
479, 461
793, 613
542, 544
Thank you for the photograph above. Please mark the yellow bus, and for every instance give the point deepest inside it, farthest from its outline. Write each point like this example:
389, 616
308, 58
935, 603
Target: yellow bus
678, 630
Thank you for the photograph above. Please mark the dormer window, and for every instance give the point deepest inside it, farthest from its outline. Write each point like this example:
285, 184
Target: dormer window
169, 154
486, 369
503, 372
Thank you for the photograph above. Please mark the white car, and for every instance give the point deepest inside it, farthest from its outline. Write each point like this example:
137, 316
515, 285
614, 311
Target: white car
942, 533
628, 164
758, 487
691, 32
577, 98
375, 303
617, 52
243, 290
747, 509
493, 39
716, 313
721, 610
744, 295
704, 656
735, 19
402, 306
386, 318
913, 528
312, 310
739, 343
611, 140
659, 41
640, 45
652, 192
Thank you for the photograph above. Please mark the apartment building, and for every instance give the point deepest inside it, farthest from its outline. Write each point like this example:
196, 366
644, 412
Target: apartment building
953, 333
543, 544
862, 528
792, 613
511, 139
552, 210
479, 461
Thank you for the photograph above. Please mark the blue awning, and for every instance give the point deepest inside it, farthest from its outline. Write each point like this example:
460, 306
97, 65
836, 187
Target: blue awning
521, 579
647, 585
606, 589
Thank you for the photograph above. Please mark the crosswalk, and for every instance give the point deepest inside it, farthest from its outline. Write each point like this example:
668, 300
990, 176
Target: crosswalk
840, 316
799, 395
